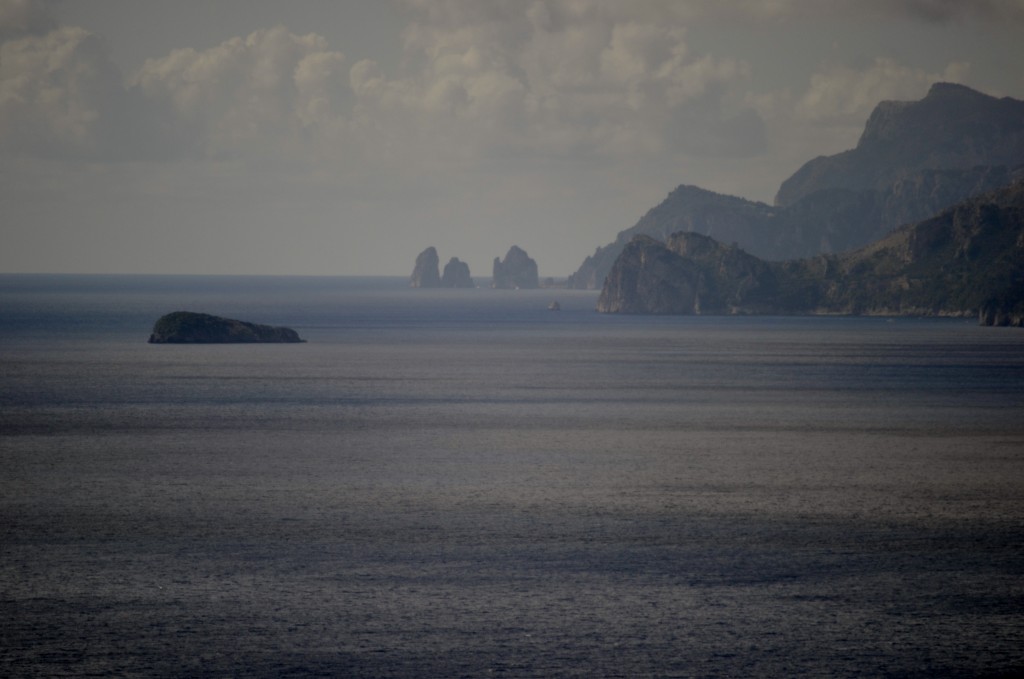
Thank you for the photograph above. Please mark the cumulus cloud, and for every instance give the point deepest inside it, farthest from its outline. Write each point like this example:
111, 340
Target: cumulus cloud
842, 94
262, 93
572, 79
59, 94
58, 88
581, 77
62, 96
569, 78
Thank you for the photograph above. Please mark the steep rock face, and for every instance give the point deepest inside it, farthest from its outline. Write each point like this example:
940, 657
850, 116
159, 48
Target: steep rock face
914, 159
187, 327
838, 220
687, 208
690, 274
966, 261
827, 221
1002, 314
952, 127
649, 278
456, 275
517, 270
425, 273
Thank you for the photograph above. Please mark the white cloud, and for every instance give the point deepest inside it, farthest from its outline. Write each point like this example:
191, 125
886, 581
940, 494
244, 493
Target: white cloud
256, 95
566, 78
59, 94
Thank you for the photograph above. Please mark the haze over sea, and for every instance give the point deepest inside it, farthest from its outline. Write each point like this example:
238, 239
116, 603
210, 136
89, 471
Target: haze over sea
463, 483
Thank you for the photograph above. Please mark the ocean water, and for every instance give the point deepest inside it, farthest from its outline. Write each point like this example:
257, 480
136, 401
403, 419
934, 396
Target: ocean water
462, 483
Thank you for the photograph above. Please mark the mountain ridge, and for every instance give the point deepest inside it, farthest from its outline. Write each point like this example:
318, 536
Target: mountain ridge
968, 260
830, 215
953, 126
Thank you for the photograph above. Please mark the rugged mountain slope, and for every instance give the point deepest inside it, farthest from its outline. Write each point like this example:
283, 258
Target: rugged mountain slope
967, 260
952, 127
687, 208
914, 159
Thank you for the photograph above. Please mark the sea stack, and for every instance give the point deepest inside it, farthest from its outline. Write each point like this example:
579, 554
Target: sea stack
516, 271
456, 275
426, 273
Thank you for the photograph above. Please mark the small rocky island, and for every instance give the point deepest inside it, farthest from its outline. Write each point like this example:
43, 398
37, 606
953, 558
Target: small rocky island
426, 273
187, 327
456, 275
517, 270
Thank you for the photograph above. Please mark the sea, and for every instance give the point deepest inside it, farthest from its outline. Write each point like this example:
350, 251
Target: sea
464, 483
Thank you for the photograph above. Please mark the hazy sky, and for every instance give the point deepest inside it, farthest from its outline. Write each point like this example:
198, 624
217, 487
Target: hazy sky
344, 137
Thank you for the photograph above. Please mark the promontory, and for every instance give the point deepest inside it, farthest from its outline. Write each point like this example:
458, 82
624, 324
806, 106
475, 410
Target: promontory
968, 260
187, 327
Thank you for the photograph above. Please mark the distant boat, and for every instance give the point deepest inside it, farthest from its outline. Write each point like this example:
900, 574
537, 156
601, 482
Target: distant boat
554, 306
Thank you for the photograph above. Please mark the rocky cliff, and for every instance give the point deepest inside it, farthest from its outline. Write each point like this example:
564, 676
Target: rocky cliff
906, 168
688, 208
952, 127
456, 275
517, 270
426, 272
187, 327
966, 261
689, 274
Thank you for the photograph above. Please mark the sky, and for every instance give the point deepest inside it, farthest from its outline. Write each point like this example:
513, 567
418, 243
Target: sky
320, 137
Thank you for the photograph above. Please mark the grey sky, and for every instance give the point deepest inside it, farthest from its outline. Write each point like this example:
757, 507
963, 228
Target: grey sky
320, 137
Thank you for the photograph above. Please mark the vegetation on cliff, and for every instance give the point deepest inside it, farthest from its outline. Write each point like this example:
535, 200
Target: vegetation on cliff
187, 327
913, 160
952, 127
966, 261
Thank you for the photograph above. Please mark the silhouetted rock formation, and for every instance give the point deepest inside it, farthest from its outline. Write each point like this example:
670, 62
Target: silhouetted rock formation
966, 261
690, 274
952, 127
456, 275
687, 208
187, 327
425, 273
516, 271
914, 159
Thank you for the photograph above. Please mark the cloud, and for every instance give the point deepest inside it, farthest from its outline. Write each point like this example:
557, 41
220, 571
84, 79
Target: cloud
565, 78
268, 94
841, 94
932, 11
580, 78
60, 95
946, 11
261, 94
20, 18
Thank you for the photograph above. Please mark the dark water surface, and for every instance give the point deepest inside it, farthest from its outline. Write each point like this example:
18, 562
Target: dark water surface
462, 483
